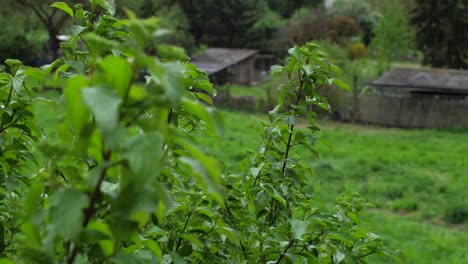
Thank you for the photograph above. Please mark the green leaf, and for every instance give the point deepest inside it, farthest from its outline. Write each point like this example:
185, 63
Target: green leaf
347, 239
32, 233
339, 83
106, 244
273, 193
76, 111
177, 259
205, 113
275, 70
64, 7
205, 98
126, 259
298, 228
396, 255
196, 243
107, 5
339, 256
290, 120
104, 104
297, 53
171, 53
169, 77
6, 261
62, 68
14, 65
98, 45
47, 69
76, 29
66, 213
154, 247
118, 73
17, 82
307, 69
200, 174
35, 74
206, 86
143, 153
336, 69
33, 199
209, 164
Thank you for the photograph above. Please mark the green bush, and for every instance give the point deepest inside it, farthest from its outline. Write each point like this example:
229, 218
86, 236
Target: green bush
127, 181
357, 51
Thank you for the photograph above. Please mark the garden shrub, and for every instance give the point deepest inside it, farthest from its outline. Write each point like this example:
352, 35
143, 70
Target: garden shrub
342, 27
127, 182
357, 51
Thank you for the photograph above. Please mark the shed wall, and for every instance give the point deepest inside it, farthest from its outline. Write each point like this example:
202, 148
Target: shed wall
244, 71
405, 111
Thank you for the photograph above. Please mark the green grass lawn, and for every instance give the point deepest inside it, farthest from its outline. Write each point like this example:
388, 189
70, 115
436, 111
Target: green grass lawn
417, 179
258, 92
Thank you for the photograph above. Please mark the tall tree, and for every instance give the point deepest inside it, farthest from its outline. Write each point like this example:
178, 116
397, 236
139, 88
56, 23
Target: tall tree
361, 11
52, 19
393, 34
225, 23
287, 8
441, 32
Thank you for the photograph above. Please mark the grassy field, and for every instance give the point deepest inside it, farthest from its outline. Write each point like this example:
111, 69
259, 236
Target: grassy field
258, 92
417, 179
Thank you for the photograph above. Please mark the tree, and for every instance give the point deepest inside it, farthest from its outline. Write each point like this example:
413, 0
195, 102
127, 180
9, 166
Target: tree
441, 32
265, 30
224, 23
361, 11
15, 43
305, 25
287, 8
341, 27
393, 34
52, 19
29, 21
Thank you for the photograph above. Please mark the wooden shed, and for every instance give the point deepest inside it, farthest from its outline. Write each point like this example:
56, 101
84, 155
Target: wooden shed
434, 83
225, 65
419, 98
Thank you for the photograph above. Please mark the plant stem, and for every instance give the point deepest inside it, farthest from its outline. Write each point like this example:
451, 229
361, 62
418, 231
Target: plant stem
291, 129
291, 242
179, 242
7, 103
288, 144
365, 255
95, 197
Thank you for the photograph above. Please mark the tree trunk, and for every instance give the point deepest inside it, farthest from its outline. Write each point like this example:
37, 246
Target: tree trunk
54, 42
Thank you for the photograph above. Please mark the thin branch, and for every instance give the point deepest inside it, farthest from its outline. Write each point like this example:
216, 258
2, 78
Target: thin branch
365, 255
7, 103
291, 242
95, 197
3, 128
179, 242
291, 129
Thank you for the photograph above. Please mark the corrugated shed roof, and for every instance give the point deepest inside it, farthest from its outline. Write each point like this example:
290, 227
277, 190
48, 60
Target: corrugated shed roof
432, 80
217, 59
